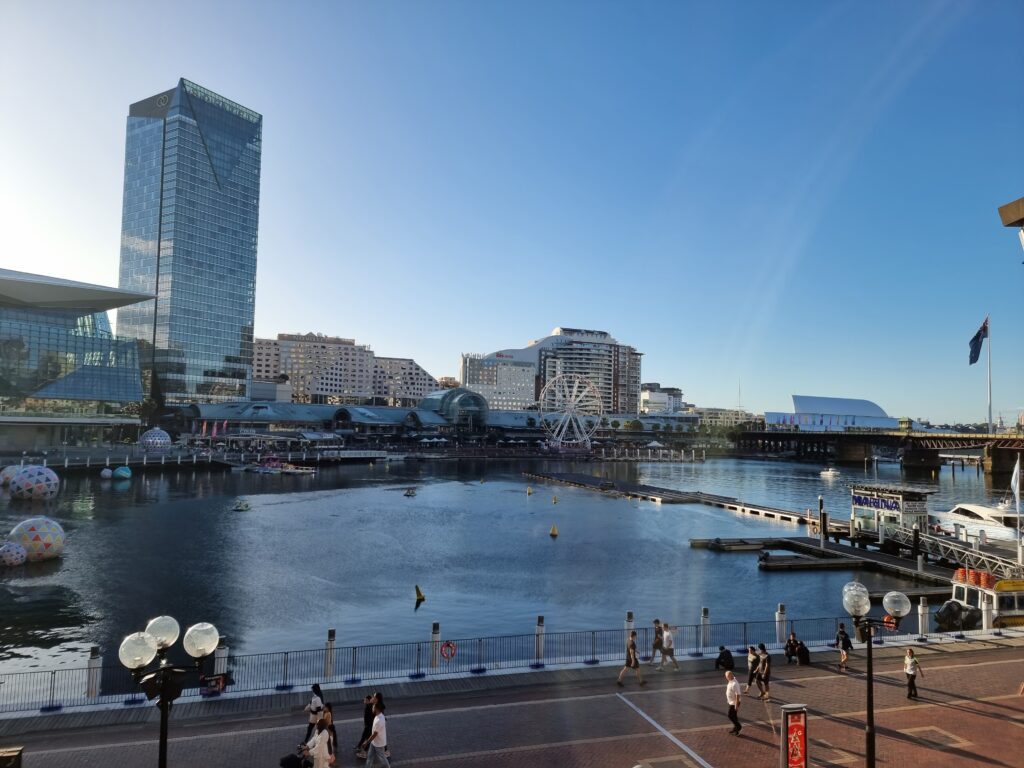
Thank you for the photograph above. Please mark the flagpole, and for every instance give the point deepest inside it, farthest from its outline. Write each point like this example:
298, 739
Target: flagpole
988, 332
1016, 495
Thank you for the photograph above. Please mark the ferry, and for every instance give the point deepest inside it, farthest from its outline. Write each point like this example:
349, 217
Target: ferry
986, 514
963, 609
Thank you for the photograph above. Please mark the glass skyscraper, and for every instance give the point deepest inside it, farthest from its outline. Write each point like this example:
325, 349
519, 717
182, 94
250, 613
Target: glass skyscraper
188, 236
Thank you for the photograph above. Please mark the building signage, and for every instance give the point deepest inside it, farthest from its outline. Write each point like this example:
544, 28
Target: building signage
794, 737
872, 501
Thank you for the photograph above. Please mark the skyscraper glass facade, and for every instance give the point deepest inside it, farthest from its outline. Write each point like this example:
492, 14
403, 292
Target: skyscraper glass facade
188, 235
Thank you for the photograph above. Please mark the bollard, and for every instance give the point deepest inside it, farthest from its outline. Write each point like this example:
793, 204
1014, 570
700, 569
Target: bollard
920, 563
65, 462
822, 528
107, 464
329, 655
780, 623
538, 651
220, 656
283, 685
922, 620
593, 650
353, 679
705, 630
88, 460
162, 462
881, 534
479, 669
95, 667
435, 645
986, 613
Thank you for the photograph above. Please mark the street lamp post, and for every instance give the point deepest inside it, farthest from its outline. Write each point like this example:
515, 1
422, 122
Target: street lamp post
164, 682
857, 603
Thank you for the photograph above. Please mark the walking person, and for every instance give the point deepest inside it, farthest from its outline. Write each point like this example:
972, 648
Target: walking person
764, 672
315, 708
317, 748
845, 645
668, 647
912, 668
374, 746
733, 696
632, 661
331, 730
367, 727
753, 662
658, 644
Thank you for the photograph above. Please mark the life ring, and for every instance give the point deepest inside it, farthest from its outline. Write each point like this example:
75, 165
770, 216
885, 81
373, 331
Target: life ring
448, 650
815, 530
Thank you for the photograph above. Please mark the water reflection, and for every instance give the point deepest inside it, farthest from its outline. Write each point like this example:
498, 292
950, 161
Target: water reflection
344, 549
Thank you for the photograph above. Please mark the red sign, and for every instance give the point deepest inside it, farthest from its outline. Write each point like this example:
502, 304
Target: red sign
796, 740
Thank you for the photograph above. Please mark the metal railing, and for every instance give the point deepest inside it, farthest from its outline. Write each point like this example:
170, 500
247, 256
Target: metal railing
350, 665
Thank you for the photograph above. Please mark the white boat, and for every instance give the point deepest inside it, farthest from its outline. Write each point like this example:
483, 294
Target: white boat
830, 472
410, 492
984, 514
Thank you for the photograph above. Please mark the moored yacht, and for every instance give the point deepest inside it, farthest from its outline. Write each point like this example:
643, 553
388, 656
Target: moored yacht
986, 514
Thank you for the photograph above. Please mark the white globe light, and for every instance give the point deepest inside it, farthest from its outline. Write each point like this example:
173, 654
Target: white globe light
137, 650
165, 629
201, 640
856, 599
897, 604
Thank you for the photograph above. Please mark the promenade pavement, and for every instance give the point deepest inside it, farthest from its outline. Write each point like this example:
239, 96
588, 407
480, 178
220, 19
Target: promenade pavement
969, 714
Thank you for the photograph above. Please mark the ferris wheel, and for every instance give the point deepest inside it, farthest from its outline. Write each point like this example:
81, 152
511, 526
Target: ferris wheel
570, 409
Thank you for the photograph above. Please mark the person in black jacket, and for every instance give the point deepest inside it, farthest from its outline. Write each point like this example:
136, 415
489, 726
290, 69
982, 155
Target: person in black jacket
791, 646
724, 660
803, 656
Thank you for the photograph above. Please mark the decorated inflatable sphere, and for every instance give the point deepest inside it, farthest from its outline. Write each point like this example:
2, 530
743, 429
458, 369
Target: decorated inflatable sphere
122, 473
106, 473
12, 554
34, 482
7, 474
42, 538
155, 441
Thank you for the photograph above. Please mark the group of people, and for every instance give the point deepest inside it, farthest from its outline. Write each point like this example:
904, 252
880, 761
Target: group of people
663, 643
319, 747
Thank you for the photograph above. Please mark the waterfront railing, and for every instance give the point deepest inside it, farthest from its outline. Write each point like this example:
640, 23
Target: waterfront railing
331, 666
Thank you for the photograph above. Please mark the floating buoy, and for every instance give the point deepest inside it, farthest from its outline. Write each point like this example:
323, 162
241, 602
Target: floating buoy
481, 481
420, 597
554, 499
529, 491
554, 532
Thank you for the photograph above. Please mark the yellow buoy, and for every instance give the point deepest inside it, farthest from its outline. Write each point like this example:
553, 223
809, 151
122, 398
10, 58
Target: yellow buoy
529, 491
420, 597
554, 532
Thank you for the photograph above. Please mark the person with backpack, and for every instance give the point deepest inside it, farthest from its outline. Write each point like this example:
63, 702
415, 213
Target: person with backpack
845, 645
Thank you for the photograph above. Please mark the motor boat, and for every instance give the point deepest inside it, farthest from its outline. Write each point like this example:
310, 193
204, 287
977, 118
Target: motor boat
963, 611
985, 514
830, 472
241, 505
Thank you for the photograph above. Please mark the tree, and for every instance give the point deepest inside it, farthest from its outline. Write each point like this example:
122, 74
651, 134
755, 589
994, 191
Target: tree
615, 424
635, 426
655, 427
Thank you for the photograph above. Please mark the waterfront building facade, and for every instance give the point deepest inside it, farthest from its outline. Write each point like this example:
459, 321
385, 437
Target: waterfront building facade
188, 237
836, 414
65, 379
655, 398
724, 418
508, 385
400, 381
612, 367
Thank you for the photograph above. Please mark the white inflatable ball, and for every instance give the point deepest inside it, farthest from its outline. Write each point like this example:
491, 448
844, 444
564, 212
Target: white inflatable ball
7, 473
34, 482
106, 473
42, 538
12, 554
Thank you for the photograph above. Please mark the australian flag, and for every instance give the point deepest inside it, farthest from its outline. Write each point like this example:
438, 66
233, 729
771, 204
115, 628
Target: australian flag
977, 341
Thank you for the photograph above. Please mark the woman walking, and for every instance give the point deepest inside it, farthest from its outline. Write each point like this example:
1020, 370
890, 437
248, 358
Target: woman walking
845, 645
912, 668
632, 661
753, 662
315, 708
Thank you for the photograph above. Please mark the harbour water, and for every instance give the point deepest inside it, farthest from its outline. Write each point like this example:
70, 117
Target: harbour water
346, 548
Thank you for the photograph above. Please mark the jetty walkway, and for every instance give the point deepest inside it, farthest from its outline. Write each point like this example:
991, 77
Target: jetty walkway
969, 715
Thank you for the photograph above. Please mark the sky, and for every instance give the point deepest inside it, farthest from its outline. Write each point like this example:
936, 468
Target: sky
765, 199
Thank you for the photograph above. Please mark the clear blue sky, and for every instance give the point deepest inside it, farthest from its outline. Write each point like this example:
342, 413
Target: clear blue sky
799, 196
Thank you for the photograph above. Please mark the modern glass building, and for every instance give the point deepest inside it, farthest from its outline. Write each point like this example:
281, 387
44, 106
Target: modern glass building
64, 377
188, 236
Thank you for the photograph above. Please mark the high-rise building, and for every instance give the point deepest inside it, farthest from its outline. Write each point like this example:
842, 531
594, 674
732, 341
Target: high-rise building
188, 236
515, 377
655, 398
